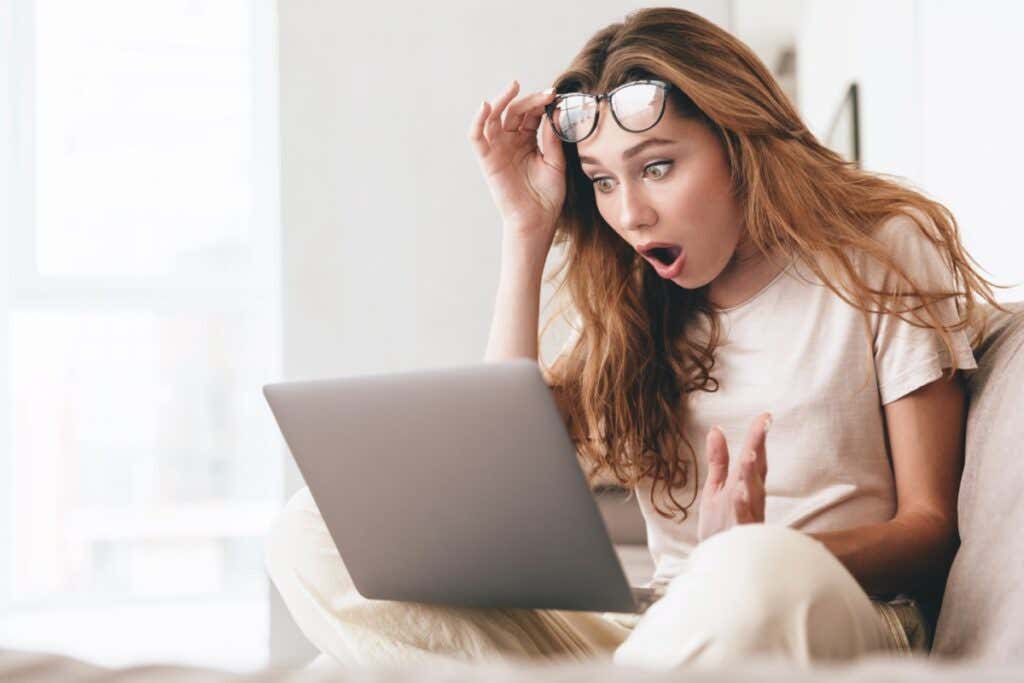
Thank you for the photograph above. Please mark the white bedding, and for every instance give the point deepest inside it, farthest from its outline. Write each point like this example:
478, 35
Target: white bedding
33, 667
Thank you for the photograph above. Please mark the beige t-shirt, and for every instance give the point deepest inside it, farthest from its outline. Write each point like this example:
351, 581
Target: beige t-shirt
799, 351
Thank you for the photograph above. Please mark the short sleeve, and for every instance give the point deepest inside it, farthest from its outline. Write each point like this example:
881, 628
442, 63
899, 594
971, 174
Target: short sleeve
575, 330
908, 357
568, 345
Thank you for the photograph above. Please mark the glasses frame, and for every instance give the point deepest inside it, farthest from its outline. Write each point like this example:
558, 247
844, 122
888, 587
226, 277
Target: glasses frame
550, 107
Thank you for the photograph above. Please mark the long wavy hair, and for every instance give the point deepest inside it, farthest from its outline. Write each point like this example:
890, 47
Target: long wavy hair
623, 381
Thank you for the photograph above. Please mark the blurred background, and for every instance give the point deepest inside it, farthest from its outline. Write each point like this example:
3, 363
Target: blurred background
203, 196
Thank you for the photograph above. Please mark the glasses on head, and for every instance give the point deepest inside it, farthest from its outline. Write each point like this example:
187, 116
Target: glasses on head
636, 106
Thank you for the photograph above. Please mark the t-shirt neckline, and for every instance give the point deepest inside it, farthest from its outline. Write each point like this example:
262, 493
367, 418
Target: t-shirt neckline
756, 295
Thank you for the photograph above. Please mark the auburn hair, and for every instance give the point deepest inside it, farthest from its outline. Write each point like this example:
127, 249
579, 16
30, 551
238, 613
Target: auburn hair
623, 381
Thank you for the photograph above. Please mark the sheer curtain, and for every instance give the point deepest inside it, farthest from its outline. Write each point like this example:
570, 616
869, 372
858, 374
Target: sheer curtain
140, 465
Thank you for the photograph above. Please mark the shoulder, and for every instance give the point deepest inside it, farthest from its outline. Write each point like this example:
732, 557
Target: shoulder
900, 241
912, 229
908, 252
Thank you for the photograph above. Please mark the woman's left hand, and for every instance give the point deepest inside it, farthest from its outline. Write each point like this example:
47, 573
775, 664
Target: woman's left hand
734, 495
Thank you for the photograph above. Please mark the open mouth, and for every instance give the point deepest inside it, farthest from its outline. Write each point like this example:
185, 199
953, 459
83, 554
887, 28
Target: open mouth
666, 255
667, 259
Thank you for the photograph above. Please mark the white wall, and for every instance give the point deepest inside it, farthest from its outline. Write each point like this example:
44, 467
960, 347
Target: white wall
768, 28
972, 104
938, 89
872, 42
392, 241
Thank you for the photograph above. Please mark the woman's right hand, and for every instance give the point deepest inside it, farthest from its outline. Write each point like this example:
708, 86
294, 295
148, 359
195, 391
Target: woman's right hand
526, 178
733, 491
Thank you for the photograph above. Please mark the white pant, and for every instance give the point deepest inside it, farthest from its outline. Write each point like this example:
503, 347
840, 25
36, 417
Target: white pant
757, 590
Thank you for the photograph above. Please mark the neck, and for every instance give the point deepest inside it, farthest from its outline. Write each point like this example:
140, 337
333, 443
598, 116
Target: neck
747, 273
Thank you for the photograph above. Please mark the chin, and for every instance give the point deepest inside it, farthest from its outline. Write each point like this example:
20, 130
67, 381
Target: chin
685, 282
688, 281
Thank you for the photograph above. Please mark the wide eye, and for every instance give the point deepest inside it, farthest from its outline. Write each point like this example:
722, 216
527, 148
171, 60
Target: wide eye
659, 165
662, 167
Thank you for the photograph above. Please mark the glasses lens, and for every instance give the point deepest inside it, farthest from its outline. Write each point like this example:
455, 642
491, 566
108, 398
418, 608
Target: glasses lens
638, 106
574, 116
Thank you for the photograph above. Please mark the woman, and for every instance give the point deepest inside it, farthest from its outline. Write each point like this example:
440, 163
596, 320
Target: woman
728, 272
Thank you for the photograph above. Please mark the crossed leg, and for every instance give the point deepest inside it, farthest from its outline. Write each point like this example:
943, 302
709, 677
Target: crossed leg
754, 590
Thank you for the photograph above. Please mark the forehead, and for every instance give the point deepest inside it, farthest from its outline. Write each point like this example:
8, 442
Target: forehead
610, 144
639, 146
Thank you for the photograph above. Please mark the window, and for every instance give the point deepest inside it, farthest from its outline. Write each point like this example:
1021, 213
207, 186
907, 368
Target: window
140, 463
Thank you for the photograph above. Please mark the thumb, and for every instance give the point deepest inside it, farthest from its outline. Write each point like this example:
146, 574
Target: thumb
551, 145
718, 460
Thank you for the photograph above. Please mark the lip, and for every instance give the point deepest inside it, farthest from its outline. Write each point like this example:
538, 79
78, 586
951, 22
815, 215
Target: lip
670, 271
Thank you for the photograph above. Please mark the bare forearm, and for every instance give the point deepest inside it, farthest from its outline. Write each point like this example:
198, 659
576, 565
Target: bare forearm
892, 557
514, 326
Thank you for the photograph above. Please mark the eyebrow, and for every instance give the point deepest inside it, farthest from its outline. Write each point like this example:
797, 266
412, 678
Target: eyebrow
632, 151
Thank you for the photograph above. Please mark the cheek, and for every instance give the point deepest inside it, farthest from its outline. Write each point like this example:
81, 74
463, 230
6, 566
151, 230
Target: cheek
706, 188
707, 214
698, 207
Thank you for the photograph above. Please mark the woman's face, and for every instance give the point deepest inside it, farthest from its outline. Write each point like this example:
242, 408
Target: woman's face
677, 193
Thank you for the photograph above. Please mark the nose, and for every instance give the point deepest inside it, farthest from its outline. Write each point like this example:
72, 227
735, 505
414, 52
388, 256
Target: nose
635, 213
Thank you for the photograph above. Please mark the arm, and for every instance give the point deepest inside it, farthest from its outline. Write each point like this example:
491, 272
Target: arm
926, 430
517, 305
517, 309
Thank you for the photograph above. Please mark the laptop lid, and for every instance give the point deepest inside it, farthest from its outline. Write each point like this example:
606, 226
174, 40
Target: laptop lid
455, 485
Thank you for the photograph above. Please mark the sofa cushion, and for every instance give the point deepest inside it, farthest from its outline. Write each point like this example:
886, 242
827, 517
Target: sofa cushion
983, 604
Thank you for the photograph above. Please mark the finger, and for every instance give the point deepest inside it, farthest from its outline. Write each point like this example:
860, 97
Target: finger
755, 442
762, 450
492, 126
741, 506
718, 460
532, 116
476, 131
753, 433
525, 111
754, 486
551, 149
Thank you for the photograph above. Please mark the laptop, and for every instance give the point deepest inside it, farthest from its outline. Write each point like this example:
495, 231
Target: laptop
456, 485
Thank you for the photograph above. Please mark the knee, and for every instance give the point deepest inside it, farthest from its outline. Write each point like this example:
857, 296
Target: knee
756, 590
788, 593
772, 562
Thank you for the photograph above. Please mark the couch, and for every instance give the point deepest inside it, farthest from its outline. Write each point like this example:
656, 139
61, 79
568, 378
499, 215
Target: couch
978, 636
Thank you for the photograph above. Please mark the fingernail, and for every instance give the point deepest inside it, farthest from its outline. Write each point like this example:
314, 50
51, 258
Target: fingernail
720, 430
767, 424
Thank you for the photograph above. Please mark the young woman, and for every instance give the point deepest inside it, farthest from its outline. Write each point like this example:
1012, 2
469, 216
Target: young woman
727, 273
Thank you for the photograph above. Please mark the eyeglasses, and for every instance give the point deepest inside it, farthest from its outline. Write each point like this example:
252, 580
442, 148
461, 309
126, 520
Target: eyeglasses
636, 106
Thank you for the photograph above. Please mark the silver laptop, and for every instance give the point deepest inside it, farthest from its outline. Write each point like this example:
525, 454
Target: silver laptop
457, 486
